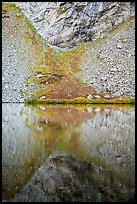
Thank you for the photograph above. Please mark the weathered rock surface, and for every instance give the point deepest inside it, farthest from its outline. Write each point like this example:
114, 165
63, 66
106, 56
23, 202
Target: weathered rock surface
64, 24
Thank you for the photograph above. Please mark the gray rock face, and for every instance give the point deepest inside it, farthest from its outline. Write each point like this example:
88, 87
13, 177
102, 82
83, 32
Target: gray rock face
64, 24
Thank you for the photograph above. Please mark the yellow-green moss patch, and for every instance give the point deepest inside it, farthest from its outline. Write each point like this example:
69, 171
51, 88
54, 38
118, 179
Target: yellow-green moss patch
81, 100
8, 6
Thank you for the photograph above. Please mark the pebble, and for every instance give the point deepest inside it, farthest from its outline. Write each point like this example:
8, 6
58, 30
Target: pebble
89, 96
113, 69
119, 46
97, 96
42, 97
106, 96
39, 76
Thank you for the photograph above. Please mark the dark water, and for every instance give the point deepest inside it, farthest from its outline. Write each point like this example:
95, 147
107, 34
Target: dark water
103, 136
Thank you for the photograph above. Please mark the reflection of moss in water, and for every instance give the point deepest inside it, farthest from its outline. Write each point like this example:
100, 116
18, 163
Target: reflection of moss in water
67, 139
14, 178
29, 123
54, 136
30, 158
82, 106
21, 111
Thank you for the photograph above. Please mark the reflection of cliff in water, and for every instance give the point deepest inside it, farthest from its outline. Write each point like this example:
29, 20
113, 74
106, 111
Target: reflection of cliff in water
99, 136
63, 178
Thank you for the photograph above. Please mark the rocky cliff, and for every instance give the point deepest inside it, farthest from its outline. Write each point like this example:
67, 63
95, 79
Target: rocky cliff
64, 24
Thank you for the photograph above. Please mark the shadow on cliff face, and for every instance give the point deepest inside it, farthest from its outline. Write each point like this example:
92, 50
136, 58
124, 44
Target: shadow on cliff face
64, 178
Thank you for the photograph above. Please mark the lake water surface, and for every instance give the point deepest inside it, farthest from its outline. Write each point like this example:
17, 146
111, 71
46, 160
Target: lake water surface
103, 135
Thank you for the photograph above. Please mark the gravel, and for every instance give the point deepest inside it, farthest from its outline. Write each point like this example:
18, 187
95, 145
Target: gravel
17, 60
13, 75
111, 67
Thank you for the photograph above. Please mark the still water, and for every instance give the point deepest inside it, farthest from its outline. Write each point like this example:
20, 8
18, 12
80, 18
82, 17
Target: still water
99, 135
